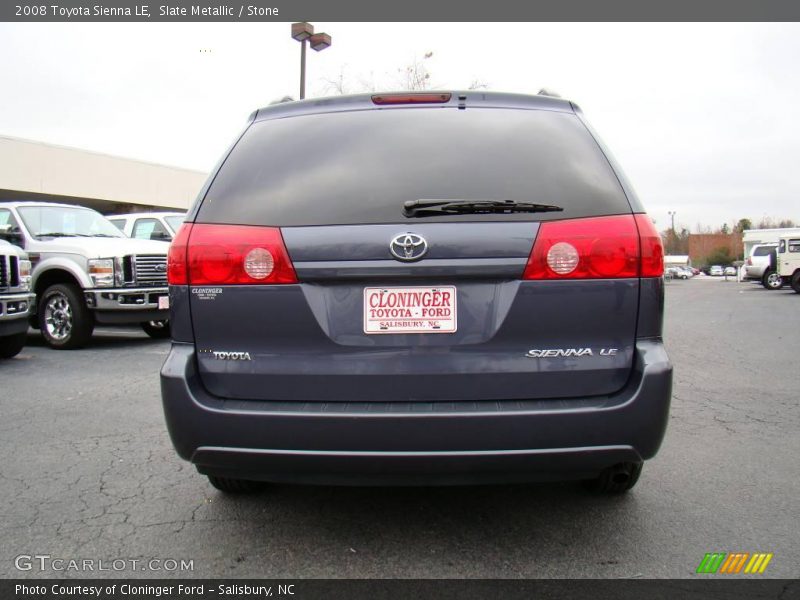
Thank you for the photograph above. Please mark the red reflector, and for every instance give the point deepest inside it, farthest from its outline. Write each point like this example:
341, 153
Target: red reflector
652, 247
177, 271
411, 99
224, 255
593, 248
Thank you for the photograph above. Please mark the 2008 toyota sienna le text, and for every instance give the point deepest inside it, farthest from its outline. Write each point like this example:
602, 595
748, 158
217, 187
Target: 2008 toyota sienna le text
417, 288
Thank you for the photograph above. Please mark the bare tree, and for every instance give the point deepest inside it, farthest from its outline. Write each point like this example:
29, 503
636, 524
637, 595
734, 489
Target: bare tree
339, 85
477, 84
416, 75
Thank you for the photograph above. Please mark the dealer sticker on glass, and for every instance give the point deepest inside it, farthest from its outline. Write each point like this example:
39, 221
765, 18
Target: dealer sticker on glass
410, 310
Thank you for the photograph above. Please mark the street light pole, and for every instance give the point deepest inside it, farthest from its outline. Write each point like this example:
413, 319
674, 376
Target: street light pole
302, 69
671, 213
304, 32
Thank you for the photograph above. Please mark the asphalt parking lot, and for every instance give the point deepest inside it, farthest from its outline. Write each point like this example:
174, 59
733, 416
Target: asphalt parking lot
89, 472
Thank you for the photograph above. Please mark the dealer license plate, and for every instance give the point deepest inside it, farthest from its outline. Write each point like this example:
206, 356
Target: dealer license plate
410, 310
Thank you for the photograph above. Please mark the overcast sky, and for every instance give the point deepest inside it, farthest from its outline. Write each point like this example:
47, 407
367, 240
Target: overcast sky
702, 117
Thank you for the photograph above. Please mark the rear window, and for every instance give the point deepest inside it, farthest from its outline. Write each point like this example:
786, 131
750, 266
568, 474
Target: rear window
361, 166
763, 250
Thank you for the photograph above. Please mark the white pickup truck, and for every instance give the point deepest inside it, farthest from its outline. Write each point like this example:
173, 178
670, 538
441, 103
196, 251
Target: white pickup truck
86, 271
16, 301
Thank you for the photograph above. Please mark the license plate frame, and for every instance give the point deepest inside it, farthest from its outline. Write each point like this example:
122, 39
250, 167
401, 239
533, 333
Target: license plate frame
425, 309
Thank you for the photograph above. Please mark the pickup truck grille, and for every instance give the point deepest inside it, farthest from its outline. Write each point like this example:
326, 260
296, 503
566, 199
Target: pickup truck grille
9, 271
150, 269
3, 271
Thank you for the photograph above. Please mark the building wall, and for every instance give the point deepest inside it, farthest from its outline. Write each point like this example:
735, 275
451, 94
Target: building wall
703, 244
31, 167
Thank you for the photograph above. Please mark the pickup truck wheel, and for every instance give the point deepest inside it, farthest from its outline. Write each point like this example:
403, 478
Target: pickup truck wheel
771, 280
64, 320
156, 329
236, 486
11, 345
616, 480
796, 282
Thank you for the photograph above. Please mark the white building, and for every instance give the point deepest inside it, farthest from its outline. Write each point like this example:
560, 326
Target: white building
676, 260
751, 237
31, 170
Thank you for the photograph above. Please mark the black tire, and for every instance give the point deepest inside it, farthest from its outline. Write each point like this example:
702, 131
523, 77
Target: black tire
64, 320
796, 282
236, 486
158, 330
11, 345
771, 280
616, 480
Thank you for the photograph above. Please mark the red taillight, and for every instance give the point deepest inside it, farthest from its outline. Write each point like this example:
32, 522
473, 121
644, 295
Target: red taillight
749, 261
596, 248
177, 272
229, 255
383, 99
652, 247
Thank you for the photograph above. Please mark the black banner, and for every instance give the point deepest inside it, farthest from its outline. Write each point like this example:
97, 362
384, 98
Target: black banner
438, 589
409, 10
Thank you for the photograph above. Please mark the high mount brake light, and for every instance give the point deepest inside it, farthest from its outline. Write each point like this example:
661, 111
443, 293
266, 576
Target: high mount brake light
596, 248
384, 99
229, 255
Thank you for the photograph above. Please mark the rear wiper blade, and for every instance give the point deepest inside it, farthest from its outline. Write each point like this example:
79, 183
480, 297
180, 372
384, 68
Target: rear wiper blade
426, 208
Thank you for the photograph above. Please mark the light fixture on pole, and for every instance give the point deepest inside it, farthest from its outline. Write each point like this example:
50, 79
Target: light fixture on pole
304, 33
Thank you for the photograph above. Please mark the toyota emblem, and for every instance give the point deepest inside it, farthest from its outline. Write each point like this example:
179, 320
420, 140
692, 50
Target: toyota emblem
408, 247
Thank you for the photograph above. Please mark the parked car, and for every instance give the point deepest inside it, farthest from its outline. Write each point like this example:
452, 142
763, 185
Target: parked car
160, 226
85, 271
757, 263
352, 303
716, 271
678, 273
16, 301
730, 271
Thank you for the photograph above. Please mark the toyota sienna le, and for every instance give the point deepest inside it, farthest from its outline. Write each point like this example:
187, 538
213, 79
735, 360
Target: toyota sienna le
417, 288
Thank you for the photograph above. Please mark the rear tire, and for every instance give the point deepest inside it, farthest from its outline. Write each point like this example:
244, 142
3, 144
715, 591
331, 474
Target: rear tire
158, 330
771, 280
616, 480
236, 486
796, 281
65, 321
11, 345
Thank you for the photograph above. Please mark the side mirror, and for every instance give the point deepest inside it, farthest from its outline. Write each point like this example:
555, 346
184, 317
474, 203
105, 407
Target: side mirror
12, 236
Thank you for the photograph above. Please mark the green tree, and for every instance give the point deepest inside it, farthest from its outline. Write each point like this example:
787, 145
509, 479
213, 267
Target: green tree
743, 224
720, 256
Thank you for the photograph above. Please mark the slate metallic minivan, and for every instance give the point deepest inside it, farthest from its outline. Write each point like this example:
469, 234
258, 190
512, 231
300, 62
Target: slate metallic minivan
417, 288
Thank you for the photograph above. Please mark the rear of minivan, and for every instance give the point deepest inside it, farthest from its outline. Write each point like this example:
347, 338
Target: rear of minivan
417, 288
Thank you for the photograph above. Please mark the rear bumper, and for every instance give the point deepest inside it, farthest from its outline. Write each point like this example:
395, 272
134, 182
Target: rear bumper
755, 272
417, 443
